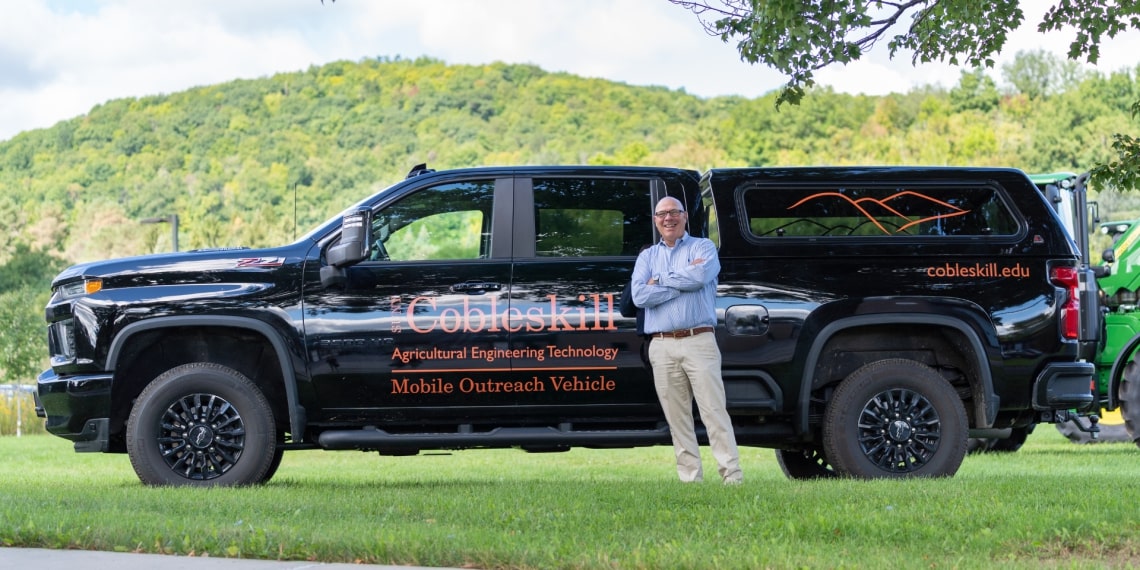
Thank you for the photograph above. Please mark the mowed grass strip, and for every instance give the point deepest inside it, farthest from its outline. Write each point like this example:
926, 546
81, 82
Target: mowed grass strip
1051, 505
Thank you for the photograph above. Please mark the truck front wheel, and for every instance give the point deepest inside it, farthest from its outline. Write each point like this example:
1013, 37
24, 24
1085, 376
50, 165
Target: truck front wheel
201, 424
895, 418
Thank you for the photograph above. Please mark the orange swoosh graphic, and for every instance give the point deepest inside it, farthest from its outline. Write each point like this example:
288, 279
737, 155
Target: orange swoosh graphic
858, 205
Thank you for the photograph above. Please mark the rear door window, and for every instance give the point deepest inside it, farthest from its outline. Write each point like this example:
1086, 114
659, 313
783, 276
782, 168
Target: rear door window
591, 217
567, 333
877, 211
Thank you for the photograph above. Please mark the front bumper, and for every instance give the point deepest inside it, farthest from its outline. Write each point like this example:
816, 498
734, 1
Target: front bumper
76, 407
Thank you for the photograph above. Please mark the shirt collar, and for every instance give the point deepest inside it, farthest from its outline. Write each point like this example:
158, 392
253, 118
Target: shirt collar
680, 240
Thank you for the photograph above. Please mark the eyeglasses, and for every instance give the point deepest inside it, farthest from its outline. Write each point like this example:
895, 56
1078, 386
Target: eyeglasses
668, 214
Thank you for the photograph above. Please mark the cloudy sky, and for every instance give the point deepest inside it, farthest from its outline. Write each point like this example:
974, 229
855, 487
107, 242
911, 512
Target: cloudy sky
59, 58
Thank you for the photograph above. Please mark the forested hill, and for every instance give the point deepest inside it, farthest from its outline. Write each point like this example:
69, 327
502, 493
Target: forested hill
228, 158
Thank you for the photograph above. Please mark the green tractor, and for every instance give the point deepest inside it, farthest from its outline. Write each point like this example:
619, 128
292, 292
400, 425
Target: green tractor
1118, 373
1118, 277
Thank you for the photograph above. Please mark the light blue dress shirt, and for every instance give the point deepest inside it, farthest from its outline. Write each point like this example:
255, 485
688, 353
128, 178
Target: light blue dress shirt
685, 294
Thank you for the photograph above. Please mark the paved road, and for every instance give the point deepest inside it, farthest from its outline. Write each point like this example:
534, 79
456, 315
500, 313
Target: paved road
45, 559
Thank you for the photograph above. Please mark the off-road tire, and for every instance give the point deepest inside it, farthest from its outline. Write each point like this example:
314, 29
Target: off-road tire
808, 463
204, 425
278, 455
895, 418
1016, 439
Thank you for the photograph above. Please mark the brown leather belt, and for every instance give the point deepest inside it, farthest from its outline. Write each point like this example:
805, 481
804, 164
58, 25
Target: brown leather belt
683, 333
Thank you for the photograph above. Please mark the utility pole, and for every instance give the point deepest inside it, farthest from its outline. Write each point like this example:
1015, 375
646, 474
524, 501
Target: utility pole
172, 219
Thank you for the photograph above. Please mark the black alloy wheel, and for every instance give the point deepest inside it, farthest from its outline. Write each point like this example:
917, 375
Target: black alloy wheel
202, 424
895, 418
202, 436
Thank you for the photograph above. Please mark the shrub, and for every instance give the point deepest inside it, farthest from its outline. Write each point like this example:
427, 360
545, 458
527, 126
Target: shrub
18, 411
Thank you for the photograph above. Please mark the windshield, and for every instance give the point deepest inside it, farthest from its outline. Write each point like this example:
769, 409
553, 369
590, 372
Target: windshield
315, 233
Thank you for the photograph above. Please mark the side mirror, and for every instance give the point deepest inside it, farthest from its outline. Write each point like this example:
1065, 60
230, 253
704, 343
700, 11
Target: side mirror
355, 237
1108, 255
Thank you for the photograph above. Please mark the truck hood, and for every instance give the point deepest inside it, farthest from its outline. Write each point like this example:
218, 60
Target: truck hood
171, 266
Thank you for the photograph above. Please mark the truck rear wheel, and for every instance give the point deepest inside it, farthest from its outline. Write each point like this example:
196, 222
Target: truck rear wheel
1017, 438
895, 418
202, 424
807, 463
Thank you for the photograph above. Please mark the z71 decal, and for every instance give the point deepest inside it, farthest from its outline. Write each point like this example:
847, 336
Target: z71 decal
261, 262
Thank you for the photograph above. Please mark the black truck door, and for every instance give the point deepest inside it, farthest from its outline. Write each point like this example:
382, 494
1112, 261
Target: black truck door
421, 326
576, 240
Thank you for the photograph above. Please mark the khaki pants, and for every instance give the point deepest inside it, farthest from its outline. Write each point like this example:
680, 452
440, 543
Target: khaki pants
684, 369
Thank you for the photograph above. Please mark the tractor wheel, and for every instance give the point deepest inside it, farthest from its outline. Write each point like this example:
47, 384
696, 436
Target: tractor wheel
1129, 409
1118, 426
1112, 429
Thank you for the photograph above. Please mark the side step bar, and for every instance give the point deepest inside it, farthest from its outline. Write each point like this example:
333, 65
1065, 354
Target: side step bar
374, 438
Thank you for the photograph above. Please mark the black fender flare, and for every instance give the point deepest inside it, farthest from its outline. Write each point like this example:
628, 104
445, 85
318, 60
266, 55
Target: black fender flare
985, 404
288, 373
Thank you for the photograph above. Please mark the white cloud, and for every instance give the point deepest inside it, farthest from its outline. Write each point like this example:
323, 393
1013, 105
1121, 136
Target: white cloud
59, 58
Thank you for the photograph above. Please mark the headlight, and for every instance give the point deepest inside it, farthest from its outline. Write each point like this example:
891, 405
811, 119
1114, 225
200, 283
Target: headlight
79, 288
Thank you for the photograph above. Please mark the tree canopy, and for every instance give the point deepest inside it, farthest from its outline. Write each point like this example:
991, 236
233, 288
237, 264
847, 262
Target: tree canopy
798, 38
257, 162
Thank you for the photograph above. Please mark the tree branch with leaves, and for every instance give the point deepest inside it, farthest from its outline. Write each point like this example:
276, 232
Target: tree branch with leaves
799, 37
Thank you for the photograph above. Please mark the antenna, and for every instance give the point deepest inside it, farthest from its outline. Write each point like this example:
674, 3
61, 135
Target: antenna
294, 211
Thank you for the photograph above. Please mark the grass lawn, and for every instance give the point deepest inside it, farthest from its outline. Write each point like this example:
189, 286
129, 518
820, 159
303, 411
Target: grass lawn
1051, 505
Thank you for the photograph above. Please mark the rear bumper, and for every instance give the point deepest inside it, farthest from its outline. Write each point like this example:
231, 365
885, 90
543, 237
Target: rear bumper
1065, 386
76, 408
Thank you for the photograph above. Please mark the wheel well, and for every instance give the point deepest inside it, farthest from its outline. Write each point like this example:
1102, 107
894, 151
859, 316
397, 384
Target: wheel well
150, 353
945, 349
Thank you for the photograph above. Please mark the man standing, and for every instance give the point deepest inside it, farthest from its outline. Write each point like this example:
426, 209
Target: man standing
675, 282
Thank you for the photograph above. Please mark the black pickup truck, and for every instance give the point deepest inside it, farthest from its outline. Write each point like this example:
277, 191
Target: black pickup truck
871, 319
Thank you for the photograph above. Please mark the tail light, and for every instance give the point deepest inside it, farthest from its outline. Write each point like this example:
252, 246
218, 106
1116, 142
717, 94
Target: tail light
1068, 278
